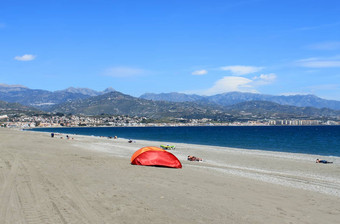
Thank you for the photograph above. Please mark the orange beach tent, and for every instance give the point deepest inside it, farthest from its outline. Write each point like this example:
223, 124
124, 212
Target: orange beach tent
154, 156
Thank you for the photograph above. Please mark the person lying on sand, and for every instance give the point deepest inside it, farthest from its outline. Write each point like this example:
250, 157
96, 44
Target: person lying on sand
322, 161
194, 158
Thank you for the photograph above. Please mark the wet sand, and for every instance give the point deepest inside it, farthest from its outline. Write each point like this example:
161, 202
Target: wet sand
90, 180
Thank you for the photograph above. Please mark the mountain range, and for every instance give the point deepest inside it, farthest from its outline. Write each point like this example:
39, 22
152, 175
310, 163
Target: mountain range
43, 99
227, 106
122, 104
231, 98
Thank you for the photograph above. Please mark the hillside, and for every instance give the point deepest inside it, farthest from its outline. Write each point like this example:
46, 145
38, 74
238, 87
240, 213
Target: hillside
117, 103
265, 109
9, 108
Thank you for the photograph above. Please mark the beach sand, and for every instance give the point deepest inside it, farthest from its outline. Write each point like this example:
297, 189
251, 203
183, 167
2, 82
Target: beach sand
90, 180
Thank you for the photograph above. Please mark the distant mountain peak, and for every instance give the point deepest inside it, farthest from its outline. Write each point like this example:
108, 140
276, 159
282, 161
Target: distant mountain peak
109, 89
84, 91
172, 97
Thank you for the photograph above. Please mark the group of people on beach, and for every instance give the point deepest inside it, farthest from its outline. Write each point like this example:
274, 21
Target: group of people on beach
67, 136
194, 158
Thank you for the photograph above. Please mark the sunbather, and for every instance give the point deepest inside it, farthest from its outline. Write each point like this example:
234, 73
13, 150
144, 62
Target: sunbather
322, 161
194, 158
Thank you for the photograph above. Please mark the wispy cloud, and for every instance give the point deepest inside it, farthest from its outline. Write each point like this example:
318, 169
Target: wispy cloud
241, 69
25, 57
330, 45
293, 93
200, 72
124, 72
319, 63
2, 25
321, 26
323, 87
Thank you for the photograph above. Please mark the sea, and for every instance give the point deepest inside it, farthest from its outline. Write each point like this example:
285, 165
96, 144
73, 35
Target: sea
315, 140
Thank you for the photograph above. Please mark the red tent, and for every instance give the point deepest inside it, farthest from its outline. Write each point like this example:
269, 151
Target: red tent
154, 156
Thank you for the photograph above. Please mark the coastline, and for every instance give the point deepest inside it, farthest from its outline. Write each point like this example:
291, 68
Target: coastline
289, 139
90, 180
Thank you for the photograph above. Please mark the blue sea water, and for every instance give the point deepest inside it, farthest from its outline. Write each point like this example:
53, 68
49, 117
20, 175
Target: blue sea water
317, 140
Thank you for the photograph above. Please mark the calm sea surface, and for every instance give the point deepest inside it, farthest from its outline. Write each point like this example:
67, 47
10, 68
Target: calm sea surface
320, 140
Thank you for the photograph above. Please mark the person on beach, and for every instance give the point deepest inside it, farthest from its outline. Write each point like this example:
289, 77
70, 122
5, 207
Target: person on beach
322, 161
194, 158
52, 135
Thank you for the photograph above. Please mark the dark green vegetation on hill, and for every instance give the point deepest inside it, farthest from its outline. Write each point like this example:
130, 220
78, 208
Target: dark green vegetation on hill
15, 108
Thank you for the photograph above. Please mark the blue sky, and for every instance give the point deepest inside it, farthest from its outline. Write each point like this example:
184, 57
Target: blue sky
201, 47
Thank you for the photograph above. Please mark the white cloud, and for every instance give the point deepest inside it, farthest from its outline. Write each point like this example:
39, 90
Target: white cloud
241, 69
239, 84
123, 72
200, 72
319, 63
331, 45
264, 79
229, 84
25, 57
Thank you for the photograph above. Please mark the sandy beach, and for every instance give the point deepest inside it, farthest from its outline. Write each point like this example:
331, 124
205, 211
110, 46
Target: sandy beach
90, 180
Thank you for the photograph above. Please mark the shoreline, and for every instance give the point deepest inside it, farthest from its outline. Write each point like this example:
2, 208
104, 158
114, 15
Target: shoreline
243, 150
90, 180
199, 144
